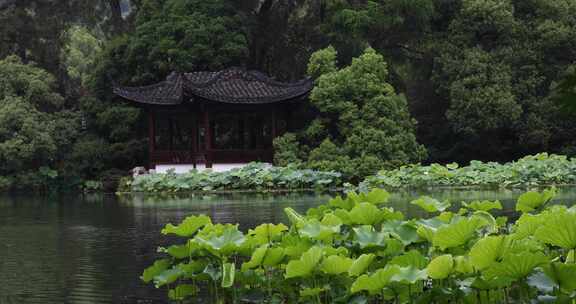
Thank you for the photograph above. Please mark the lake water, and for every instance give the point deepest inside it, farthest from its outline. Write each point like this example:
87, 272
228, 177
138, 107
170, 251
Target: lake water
92, 248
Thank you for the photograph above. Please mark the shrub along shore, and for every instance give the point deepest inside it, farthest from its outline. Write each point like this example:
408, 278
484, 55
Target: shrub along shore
256, 177
531, 171
358, 250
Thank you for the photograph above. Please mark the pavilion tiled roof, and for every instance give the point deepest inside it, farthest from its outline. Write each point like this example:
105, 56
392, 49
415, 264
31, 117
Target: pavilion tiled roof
229, 86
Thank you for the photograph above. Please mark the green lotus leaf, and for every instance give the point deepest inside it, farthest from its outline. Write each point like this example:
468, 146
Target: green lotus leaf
558, 230
426, 233
394, 247
192, 268
167, 276
294, 217
182, 292
338, 202
273, 256
411, 258
564, 275
311, 292
445, 216
406, 232
257, 258
376, 196
375, 282
367, 237
157, 268
294, 246
483, 205
188, 227
328, 251
440, 267
230, 239
305, 265
463, 265
331, 220
456, 234
365, 214
515, 266
533, 200
488, 219
526, 225
487, 251
408, 275
360, 264
177, 251
267, 233
335, 264
388, 214
228, 273
492, 283
315, 230
430, 204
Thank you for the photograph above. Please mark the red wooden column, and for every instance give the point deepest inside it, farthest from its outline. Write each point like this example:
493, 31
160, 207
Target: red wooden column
207, 138
273, 129
151, 138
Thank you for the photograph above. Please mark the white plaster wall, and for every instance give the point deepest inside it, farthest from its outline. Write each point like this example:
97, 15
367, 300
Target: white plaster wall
178, 168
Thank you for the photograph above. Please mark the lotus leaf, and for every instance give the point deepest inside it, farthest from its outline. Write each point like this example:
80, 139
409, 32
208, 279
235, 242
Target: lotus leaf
559, 230
305, 265
515, 266
167, 276
315, 230
365, 214
228, 273
257, 258
564, 275
406, 232
463, 265
273, 256
338, 202
532, 200
409, 275
335, 264
360, 265
188, 227
157, 268
375, 282
487, 251
456, 234
430, 204
226, 243
440, 267
182, 292
411, 258
376, 196
294, 217
367, 237
267, 233
483, 205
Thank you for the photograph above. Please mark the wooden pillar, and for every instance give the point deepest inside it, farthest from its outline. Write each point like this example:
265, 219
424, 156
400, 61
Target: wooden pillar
273, 129
151, 138
207, 138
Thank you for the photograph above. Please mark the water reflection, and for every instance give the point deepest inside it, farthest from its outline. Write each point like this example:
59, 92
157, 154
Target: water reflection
92, 248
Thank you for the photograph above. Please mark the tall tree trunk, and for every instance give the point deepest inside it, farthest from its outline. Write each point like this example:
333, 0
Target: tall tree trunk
116, 16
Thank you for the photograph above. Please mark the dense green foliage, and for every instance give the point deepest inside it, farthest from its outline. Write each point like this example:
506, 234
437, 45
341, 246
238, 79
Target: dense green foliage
35, 131
252, 177
362, 123
537, 170
492, 73
357, 250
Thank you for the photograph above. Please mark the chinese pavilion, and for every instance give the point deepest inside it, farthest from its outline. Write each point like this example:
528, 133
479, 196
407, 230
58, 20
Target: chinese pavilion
216, 120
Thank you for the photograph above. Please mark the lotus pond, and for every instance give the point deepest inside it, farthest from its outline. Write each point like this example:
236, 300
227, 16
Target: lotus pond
93, 248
